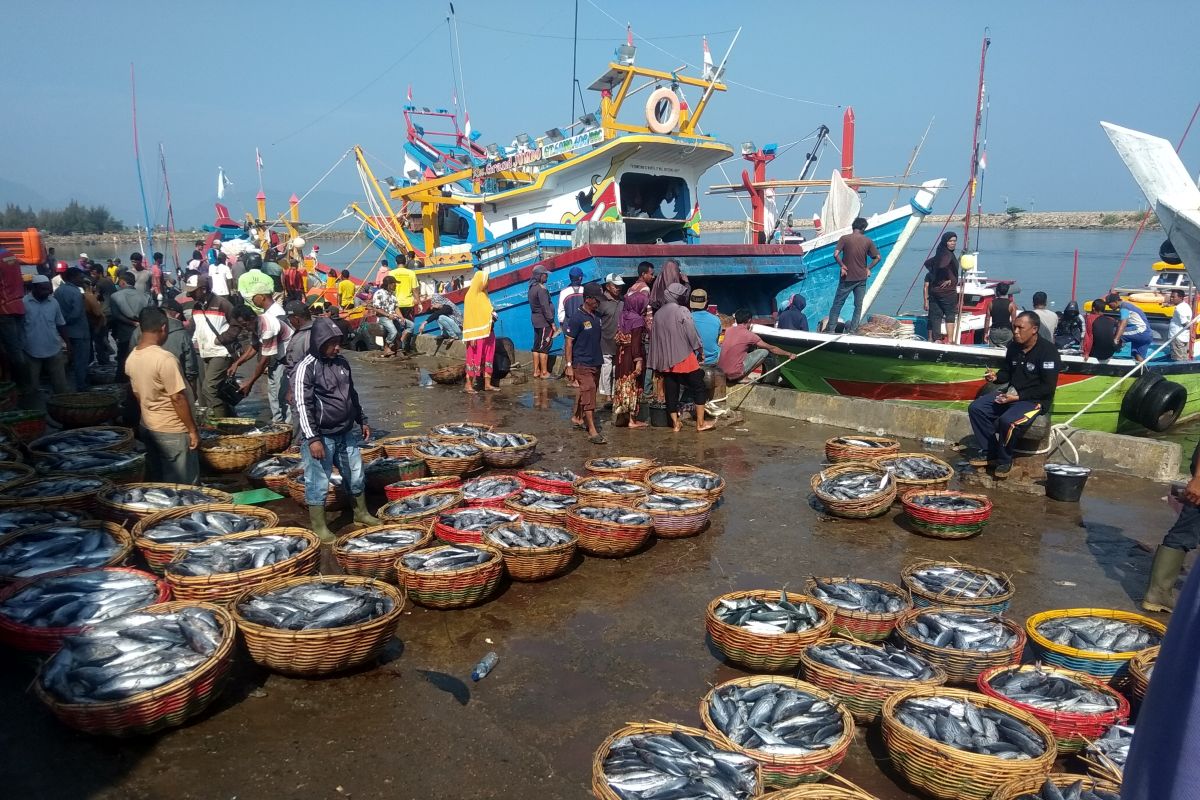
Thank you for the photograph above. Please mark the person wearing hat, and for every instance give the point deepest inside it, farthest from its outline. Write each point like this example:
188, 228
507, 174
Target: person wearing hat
124, 306
570, 298
583, 353
541, 317
610, 317
69, 295
220, 276
45, 332
83, 263
213, 340
676, 353
708, 325
479, 333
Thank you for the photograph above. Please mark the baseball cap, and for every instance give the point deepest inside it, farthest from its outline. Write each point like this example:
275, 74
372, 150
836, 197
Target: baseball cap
576, 273
295, 308
83, 255
540, 271
593, 290
193, 282
39, 279
698, 299
614, 279
60, 266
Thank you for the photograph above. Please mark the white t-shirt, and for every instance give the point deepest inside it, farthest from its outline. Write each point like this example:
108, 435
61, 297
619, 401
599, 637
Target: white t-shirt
220, 275
1180, 319
273, 331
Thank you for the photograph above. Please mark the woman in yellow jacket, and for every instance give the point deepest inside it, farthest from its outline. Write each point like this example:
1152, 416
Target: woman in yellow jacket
478, 317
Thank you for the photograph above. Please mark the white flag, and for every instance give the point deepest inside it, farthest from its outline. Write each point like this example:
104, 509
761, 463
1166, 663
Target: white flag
467, 125
709, 70
222, 182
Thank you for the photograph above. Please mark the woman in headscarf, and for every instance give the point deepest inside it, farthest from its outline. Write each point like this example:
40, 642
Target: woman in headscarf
478, 317
631, 356
676, 352
943, 288
670, 275
793, 317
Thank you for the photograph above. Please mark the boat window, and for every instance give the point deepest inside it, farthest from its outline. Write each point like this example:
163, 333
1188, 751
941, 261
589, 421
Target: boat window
654, 196
452, 224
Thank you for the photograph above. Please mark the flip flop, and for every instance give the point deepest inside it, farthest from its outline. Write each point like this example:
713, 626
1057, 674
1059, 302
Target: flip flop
597, 439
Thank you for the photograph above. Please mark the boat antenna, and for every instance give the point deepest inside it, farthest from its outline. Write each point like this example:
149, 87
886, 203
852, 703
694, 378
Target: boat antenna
574, 61
974, 168
137, 157
987, 114
810, 161
912, 162
456, 46
162, 160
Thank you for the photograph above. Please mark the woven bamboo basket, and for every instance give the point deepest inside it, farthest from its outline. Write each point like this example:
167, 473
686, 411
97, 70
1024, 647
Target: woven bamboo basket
370, 453
600, 788
13, 474
823, 791
441, 465
864, 625
678, 523
451, 535
82, 409
125, 514
401, 446
382, 472
455, 588
421, 519
449, 375
158, 555
712, 495
1015, 789
1139, 671
863, 508
277, 481
922, 598
782, 771
1100, 766
222, 456
47, 640
534, 563
635, 471
1071, 730
275, 437
945, 524
961, 666
380, 564
39, 444
607, 539
862, 695
26, 426
540, 515
442, 432
8, 436
948, 773
320, 651
10, 453
335, 498
1102, 665
224, 587
539, 479
492, 502
115, 532
836, 450
587, 492
167, 706
761, 652
904, 485
125, 467
404, 488
506, 457
83, 500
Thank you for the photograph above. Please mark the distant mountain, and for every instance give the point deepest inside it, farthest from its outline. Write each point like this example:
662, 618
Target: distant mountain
22, 195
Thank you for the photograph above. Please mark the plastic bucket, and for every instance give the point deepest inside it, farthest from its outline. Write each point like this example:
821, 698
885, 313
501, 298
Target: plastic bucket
659, 418
1065, 482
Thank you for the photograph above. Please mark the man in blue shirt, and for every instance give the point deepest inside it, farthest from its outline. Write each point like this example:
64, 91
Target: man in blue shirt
708, 325
1134, 327
584, 356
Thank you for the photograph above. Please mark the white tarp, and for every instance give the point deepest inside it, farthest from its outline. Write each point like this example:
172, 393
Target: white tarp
841, 206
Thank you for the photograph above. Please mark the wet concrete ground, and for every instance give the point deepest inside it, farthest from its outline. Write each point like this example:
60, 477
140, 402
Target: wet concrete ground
612, 641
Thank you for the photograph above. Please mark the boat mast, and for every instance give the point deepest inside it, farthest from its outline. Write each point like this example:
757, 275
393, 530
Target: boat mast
162, 160
974, 170
137, 157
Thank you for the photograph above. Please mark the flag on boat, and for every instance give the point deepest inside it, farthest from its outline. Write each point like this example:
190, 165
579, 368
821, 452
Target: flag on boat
467, 124
983, 161
222, 183
709, 70
410, 93
454, 98
257, 158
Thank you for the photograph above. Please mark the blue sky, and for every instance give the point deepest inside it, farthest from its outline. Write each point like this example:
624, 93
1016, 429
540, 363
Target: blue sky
307, 80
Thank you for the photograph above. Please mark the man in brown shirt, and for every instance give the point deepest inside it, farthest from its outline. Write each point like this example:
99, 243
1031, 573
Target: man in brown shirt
852, 254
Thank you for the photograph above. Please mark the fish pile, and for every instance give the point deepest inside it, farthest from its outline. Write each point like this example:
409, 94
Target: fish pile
158, 498
855, 485
461, 429
447, 559
56, 548
620, 516
70, 601
8, 472
614, 486
861, 659
561, 476
917, 468
225, 556
79, 440
617, 462
275, 465
1072, 470
502, 440
200, 526
476, 519
316, 604
960, 631
382, 541
1113, 747
132, 653
945, 502
855, 596
1051, 692
55, 486
670, 502
491, 488
1073, 791
873, 444
769, 616
528, 534
443, 450
335, 479
679, 765
1097, 634
18, 519
88, 461
958, 582
975, 729
390, 463
776, 719
421, 503
544, 501
682, 481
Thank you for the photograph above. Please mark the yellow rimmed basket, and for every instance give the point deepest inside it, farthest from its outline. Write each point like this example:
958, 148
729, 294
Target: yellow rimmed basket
763, 652
1102, 665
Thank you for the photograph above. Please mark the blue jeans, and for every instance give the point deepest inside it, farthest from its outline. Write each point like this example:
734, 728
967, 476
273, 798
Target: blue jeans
342, 449
845, 288
1139, 343
81, 357
389, 330
277, 384
998, 426
450, 328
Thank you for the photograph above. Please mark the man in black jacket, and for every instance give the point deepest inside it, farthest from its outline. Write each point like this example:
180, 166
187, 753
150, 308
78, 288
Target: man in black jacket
1031, 366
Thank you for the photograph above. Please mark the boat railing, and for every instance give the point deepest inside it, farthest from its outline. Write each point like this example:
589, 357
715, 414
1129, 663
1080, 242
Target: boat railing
523, 246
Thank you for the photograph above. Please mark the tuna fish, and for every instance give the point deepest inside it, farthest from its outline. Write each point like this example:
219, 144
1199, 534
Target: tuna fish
382, 541
71, 601
1052, 692
158, 498
224, 556
17, 519
443, 450
496, 439
327, 603
1098, 634
562, 475
916, 468
275, 465
848, 441
613, 486
491, 487
975, 729
670, 502
200, 526
422, 503
476, 519
55, 486
855, 485
769, 617
78, 440
58, 547
87, 461
878, 662
776, 719
544, 501
527, 534
447, 559
617, 462
855, 596
1072, 791
946, 502
677, 765
1112, 749
962, 631
464, 429
681, 480
958, 582
619, 516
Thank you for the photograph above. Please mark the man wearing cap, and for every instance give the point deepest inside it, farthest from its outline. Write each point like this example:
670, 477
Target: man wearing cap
79, 333
210, 332
84, 261
541, 317
167, 428
584, 357
610, 317
220, 276
45, 331
708, 325
273, 335
125, 305
571, 298
178, 342
12, 323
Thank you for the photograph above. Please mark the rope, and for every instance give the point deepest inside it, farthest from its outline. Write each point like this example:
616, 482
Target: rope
748, 386
945, 225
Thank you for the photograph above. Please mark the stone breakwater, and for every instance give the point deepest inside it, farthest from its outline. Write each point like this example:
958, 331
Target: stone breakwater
1043, 220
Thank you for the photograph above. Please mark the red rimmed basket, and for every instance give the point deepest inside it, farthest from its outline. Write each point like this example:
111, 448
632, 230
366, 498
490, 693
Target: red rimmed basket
1106, 666
450, 465
457, 588
961, 666
863, 695
402, 489
401, 446
47, 640
864, 625
384, 471
81, 500
1071, 730
452, 535
82, 409
1140, 667
635, 470
837, 449
122, 441
1025, 787
763, 652
657, 474
678, 523
223, 587
492, 502
26, 426
508, 457
116, 532
379, 564
607, 539
922, 598
421, 519
125, 514
857, 508
540, 515
588, 491
539, 479
946, 524
534, 563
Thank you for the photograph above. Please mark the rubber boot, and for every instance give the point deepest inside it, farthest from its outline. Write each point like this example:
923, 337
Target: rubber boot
1160, 594
316, 521
361, 515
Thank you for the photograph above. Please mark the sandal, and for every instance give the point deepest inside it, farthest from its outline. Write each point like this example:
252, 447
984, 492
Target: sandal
597, 439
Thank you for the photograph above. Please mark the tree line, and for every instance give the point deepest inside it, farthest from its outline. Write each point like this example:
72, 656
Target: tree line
74, 217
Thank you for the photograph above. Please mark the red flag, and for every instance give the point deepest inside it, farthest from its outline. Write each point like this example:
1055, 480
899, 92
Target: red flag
410, 93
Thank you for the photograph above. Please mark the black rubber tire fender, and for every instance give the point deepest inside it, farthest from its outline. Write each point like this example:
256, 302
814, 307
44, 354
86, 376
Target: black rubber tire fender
1131, 403
1162, 405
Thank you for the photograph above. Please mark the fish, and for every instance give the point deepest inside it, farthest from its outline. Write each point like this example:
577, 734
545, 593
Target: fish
1073, 791
863, 659
544, 501
1067, 469
71, 601
855, 485
433, 482
422, 503
1051, 692
8, 472
443, 450
678, 480
560, 476
158, 498
958, 582
224, 556
56, 548
975, 729
871, 443
131, 653
978, 631
776, 719
86, 461
613, 486
382, 541
1098, 634
477, 519
446, 559
496, 439
617, 462
275, 465
200, 526
243, 429
677, 765
528, 534
1113, 747
55, 486
315, 605
855, 596
465, 429
943, 502
389, 463
916, 467
619, 516
17, 519
78, 440
769, 617
668, 502
491, 488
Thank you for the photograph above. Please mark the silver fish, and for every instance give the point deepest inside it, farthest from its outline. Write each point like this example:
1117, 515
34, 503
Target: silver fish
476, 519
958, 582
443, 450
1112, 748
617, 462
491, 487
677, 765
678, 480
977, 631
389, 463
446, 559
862, 659
200, 526
70, 601
275, 465
382, 541
916, 467
1051, 692
17, 519
55, 548
613, 486
561, 476
544, 501
776, 719
158, 498
942, 502
422, 503
852, 442
497, 439
1072, 791
77, 440
855, 596
54, 486
328, 603
528, 534
669, 502
855, 485
769, 617
86, 461
223, 556
618, 515
464, 429
1098, 634
975, 729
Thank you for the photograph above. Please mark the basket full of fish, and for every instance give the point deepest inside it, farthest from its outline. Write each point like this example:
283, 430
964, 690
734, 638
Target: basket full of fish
131, 502
558, 481
949, 583
467, 525
450, 576
36, 615
917, 471
946, 514
492, 490
82, 440
536, 505
17, 519
421, 509
859, 448
642, 761
964, 643
160, 536
218, 570
370, 453
118, 466
13, 474
960, 745
597, 489
26, 426
226, 457
506, 449
675, 515
862, 675
1098, 641
317, 625
458, 431
55, 491
766, 629
61, 547
686, 480
450, 457
274, 437
1141, 667
609, 530
1059, 786
372, 552
865, 609
855, 489
272, 472
384, 471
142, 671
1076, 707
401, 446
632, 468
337, 496
533, 551
797, 732
411, 486
1106, 756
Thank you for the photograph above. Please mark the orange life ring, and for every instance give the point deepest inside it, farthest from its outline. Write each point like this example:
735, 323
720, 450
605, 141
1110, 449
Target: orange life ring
669, 124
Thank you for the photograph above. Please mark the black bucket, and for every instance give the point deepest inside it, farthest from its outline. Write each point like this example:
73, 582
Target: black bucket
1065, 482
659, 418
